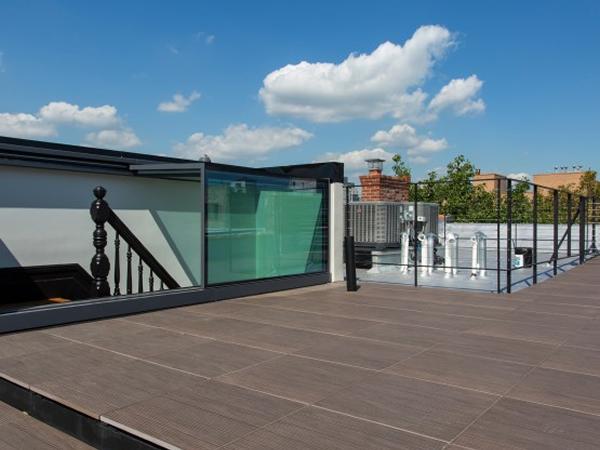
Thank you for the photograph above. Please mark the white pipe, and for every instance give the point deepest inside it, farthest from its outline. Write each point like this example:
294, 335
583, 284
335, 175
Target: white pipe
427, 245
451, 255
404, 247
478, 254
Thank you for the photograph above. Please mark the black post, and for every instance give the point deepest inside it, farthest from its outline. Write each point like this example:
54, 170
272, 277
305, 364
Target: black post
569, 221
581, 230
415, 240
508, 235
534, 255
129, 279
350, 264
100, 266
498, 218
555, 234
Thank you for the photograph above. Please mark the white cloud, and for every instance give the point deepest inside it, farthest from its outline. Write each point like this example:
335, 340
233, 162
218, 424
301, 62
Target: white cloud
241, 141
67, 113
180, 103
54, 115
460, 96
384, 82
115, 138
209, 39
25, 126
520, 176
355, 160
404, 137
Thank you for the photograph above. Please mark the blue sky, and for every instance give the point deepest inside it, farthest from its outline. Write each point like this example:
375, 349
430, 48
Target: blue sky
512, 85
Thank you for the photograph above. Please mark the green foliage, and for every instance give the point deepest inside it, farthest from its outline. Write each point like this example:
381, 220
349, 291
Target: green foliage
400, 168
466, 202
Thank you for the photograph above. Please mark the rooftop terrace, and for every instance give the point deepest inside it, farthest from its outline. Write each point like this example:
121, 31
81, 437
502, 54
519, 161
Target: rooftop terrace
388, 367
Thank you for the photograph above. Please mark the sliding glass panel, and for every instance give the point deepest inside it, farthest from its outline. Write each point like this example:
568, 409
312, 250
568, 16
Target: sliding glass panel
263, 227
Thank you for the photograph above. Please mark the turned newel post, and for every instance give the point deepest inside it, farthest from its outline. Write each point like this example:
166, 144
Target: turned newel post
100, 266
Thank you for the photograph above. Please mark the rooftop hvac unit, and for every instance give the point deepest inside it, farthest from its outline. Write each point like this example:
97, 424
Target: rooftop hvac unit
381, 224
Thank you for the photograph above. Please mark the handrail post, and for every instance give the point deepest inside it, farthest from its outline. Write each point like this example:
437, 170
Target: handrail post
534, 255
100, 265
498, 243
555, 231
508, 235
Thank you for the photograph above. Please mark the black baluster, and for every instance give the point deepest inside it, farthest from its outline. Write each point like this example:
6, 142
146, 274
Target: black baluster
140, 276
117, 290
129, 271
151, 281
162, 285
100, 266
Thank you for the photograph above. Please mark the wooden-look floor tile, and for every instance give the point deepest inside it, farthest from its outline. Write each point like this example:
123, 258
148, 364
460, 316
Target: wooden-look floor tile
575, 359
517, 425
359, 352
316, 429
472, 372
406, 334
301, 379
523, 331
108, 388
498, 348
415, 405
213, 358
558, 388
205, 417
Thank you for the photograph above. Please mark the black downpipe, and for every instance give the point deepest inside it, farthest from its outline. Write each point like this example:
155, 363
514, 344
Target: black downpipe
555, 234
350, 264
534, 255
498, 219
415, 240
569, 222
582, 230
508, 236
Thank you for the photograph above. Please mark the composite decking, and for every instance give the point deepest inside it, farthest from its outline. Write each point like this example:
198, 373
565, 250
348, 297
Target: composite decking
388, 367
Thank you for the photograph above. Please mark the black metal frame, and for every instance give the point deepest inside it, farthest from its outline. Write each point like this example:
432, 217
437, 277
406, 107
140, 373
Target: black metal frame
46, 155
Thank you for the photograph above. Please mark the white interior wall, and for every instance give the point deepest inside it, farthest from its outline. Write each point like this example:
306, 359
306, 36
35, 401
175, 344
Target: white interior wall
44, 219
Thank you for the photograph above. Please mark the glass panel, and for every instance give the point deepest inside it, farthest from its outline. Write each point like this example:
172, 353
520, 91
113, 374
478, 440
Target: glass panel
262, 227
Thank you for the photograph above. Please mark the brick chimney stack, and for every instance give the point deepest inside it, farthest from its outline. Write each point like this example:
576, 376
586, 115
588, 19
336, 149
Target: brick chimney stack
376, 187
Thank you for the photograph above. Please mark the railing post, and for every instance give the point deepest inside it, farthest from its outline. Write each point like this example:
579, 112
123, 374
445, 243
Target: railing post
581, 229
100, 266
117, 270
555, 233
415, 240
569, 222
498, 243
534, 255
508, 236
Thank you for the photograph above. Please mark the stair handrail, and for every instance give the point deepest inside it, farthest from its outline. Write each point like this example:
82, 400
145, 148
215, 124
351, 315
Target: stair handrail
102, 213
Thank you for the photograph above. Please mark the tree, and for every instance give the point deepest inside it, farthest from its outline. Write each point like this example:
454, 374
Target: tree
400, 168
588, 184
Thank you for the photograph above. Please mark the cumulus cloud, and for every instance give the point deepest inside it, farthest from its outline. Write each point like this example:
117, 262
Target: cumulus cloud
25, 126
179, 103
241, 141
51, 117
355, 160
384, 82
116, 138
459, 95
67, 113
404, 137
